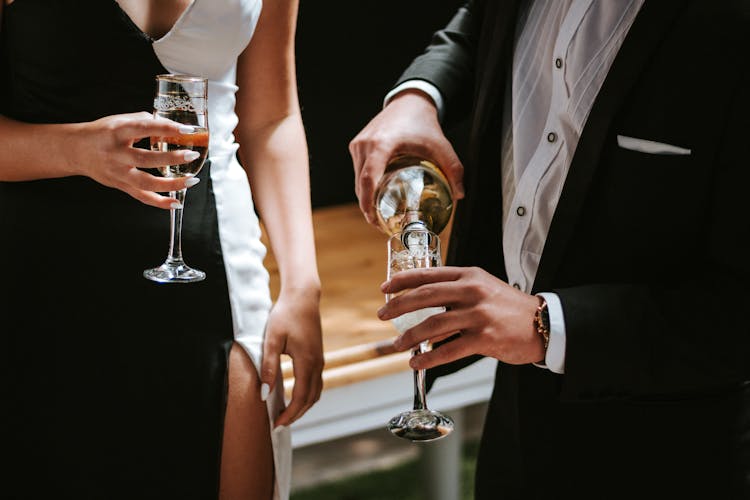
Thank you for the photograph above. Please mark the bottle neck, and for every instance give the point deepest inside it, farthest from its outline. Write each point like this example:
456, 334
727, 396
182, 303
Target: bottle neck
413, 224
412, 217
417, 238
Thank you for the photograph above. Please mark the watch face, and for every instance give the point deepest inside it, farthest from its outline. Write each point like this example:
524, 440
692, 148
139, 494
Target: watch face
545, 316
541, 322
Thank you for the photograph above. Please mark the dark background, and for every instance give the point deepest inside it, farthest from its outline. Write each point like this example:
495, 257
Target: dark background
349, 55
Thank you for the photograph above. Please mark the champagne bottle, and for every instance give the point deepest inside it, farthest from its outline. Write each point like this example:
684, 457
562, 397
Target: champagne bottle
413, 192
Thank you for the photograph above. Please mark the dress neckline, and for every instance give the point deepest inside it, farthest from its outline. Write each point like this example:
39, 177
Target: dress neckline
145, 35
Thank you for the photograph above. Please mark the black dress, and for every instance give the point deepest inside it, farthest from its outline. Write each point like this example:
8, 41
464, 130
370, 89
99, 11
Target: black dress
114, 386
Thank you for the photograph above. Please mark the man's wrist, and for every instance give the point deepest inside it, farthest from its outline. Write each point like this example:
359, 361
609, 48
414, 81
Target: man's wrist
422, 86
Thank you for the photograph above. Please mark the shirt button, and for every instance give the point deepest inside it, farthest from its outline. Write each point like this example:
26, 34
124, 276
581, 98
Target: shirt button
516, 286
521, 211
558, 63
551, 137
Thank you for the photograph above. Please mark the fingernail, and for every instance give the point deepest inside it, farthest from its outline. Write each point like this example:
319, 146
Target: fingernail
191, 155
384, 286
175, 205
380, 312
279, 428
192, 181
264, 390
186, 129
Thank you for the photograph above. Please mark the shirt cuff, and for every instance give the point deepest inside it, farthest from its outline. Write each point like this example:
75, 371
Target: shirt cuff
423, 85
555, 358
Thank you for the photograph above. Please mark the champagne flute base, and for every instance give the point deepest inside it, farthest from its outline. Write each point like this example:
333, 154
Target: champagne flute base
174, 272
421, 425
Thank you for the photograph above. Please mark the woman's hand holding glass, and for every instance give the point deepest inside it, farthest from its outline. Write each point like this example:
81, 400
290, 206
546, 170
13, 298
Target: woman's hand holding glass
104, 150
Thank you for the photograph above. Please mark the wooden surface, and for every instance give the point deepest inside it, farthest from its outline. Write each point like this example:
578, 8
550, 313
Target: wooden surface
352, 265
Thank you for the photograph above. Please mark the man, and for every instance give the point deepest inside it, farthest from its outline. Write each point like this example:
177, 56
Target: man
603, 239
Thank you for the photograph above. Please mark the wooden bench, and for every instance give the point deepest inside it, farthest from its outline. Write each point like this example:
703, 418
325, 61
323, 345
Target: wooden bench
365, 382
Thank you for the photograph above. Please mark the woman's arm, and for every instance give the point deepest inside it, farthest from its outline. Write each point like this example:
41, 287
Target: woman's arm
273, 149
102, 150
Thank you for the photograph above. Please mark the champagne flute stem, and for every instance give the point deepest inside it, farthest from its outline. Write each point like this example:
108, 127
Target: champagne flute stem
175, 228
420, 385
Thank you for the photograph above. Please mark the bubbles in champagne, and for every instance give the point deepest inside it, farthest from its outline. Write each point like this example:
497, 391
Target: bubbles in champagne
401, 261
417, 253
416, 256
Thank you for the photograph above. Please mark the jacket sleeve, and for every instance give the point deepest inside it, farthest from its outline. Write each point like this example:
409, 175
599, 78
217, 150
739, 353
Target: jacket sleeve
448, 62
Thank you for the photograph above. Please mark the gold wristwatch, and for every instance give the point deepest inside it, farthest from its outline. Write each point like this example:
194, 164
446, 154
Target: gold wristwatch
541, 322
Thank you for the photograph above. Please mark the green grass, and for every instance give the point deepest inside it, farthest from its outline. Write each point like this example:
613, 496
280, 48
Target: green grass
399, 483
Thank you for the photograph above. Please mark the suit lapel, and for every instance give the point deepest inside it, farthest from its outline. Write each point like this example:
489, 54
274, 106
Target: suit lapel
471, 243
650, 26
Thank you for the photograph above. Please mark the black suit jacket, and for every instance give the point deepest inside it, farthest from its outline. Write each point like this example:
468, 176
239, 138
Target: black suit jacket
650, 255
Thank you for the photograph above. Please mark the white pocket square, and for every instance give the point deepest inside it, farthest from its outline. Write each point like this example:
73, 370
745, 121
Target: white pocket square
651, 147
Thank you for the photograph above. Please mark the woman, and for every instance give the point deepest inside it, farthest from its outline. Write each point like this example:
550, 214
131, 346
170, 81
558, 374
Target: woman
119, 387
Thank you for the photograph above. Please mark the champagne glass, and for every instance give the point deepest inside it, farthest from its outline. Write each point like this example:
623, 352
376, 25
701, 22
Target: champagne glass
416, 248
180, 98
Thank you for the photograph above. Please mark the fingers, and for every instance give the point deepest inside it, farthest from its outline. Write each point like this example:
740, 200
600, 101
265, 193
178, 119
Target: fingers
454, 171
270, 365
356, 164
307, 370
145, 188
135, 126
149, 194
145, 181
155, 159
306, 391
434, 328
153, 199
368, 178
427, 296
461, 347
413, 278
111, 159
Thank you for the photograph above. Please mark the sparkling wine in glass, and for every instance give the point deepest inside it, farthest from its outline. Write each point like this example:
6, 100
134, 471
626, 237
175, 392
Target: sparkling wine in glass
413, 202
416, 247
180, 98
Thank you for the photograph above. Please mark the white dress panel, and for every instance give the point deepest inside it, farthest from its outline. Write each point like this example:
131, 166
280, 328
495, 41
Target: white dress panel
206, 41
